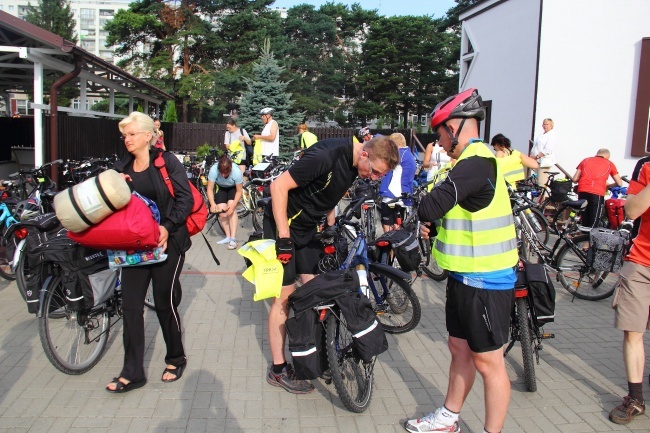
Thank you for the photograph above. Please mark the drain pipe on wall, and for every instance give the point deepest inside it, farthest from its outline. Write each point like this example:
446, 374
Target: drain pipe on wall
54, 113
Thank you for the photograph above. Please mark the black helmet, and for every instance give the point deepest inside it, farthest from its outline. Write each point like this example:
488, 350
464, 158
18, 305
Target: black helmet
363, 132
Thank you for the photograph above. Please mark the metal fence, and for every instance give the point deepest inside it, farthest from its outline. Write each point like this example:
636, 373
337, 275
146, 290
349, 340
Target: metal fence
81, 136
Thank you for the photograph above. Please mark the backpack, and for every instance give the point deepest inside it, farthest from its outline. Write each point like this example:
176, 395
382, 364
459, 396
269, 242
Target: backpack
199, 215
541, 293
405, 248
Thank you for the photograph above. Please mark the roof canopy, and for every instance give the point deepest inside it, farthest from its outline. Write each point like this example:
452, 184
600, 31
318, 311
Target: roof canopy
22, 44
30, 54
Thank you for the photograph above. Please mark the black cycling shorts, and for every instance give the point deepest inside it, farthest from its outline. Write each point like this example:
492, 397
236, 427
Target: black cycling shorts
480, 316
225, 194
308, 252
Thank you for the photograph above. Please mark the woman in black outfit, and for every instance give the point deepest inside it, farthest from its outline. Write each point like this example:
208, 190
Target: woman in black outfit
138, 168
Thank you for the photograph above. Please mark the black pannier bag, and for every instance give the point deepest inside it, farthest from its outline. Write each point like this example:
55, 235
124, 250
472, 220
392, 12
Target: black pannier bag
541, 293
86, 279
560, 189
405, 248
305, 331
606, 248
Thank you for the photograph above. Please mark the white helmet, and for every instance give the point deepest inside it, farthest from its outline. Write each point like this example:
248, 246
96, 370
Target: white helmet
267, 110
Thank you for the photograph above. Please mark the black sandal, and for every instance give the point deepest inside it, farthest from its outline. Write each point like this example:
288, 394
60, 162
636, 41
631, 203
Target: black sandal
121, 387
178, 372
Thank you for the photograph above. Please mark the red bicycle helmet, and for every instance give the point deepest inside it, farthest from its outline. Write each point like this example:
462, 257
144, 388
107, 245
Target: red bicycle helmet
465, 105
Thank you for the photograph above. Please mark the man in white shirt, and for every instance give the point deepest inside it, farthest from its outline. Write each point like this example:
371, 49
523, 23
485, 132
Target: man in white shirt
270, 135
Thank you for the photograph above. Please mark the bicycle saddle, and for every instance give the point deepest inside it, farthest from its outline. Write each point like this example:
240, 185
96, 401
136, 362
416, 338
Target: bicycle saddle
263, 201
575, 204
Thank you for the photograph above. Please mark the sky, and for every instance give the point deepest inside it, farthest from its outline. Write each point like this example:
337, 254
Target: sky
437, 8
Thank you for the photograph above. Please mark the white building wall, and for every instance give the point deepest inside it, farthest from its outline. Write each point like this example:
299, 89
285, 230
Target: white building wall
503, 69
588, 72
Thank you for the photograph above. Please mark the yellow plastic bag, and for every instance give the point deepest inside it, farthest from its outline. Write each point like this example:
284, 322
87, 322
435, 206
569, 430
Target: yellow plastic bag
266, 272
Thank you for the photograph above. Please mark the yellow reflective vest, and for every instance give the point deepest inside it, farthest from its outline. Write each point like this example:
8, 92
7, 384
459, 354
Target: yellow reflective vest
266, 271
481, 241
236, 146
257, 152
511, 167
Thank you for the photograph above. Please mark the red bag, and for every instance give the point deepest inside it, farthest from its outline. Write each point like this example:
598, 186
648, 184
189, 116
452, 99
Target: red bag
615, 212
199, 215
130, 228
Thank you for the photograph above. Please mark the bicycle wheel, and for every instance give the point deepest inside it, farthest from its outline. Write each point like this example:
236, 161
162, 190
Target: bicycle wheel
148, 299
6, 270
351, 376
524, 326
429, 264
22, 273
258, 212
578, 278
396, 305
72, 341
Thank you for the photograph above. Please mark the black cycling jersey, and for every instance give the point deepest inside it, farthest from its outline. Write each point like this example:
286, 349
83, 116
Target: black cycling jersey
323, 176
471, 184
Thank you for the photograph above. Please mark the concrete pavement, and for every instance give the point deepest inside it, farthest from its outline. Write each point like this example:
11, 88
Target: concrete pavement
580, 375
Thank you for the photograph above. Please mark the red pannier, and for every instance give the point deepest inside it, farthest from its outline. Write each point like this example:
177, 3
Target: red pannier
615, 212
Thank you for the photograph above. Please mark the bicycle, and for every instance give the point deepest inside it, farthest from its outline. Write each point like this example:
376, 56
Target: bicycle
411, 223
524, 328
345, 246
568, 256
352, 377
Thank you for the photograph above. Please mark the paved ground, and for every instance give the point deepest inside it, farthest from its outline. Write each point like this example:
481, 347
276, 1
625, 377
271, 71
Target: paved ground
580, 375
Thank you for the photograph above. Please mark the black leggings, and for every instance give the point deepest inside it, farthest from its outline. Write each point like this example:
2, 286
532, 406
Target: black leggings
167, 295
591, 214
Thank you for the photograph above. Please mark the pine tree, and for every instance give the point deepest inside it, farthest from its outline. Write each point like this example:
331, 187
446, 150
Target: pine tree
266, 90
170, 112
54, 16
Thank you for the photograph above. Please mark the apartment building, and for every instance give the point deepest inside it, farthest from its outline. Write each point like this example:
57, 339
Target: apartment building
90, 17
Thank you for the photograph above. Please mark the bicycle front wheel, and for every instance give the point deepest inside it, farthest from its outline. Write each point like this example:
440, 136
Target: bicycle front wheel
396, 305
429, 264
578, 278
351, 376
72, 341
258, 212
524, 326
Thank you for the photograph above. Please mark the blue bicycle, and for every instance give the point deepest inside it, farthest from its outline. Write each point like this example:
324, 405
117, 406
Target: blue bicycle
394, 302
389, 289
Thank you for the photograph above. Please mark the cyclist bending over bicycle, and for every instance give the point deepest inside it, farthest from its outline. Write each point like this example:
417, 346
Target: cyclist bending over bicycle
396, 182
300, 198
477, 244
227, 176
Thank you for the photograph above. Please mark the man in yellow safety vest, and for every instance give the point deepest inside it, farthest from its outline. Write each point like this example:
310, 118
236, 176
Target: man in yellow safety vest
476, 243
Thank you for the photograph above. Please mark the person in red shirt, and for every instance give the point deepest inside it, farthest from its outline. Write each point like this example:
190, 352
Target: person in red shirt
591, 175
632, 300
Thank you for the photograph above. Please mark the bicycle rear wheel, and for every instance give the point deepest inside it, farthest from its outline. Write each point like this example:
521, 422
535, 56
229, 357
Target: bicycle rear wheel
351, 376
257, 213
525, 328
22, 273
396, 305
72, 341
578, 278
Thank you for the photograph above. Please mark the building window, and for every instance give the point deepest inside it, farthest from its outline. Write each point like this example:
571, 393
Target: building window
22, 107
11, 8
88, 13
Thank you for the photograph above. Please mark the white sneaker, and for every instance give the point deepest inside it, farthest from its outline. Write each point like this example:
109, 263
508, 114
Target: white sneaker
432, 423
224, 241
232, 244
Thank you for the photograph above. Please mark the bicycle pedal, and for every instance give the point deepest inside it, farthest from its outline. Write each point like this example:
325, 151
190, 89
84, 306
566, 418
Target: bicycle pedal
547, 336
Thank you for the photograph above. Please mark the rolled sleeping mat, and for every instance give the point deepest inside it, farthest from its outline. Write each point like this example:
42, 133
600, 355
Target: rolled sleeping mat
89, 202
